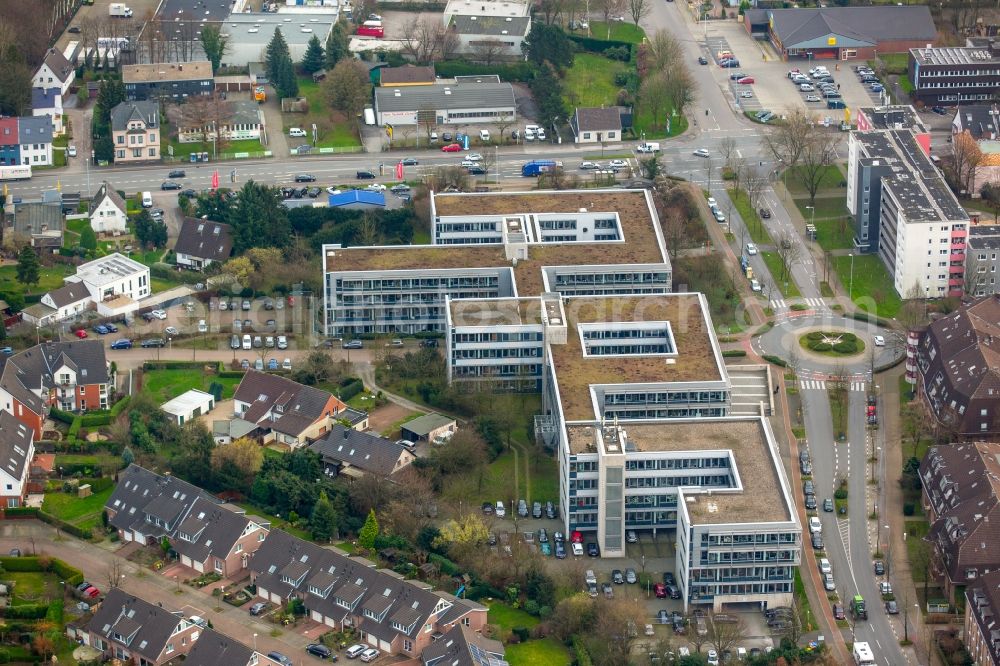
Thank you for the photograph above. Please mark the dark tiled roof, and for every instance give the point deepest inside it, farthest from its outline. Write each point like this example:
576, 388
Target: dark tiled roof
147, 112
69, 293
107, 192
460, 646
215, 649
406, 74
363, 450
44, 98
140, 492
866, 24
60, 66
32, 370
984, 237
37, 218
969, 343
982, 121
589, 119
142, 626
300, 405
210, 530
983, 602
15, 445
205, 239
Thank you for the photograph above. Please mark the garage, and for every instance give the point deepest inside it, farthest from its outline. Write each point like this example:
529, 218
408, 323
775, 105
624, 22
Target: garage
186, 561
316, 616
262, 593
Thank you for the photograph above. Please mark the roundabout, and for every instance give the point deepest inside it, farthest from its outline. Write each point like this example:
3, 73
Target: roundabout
834, 344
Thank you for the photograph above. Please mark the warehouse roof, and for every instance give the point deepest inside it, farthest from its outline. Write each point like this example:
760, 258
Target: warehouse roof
865, 24
445, 96
491, 25
167, 71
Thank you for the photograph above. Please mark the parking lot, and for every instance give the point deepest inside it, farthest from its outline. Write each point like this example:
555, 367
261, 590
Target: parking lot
772, 89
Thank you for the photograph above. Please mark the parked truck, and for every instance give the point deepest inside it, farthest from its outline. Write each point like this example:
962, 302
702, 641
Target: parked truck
15, 172
120, 10
537, 167
863, 655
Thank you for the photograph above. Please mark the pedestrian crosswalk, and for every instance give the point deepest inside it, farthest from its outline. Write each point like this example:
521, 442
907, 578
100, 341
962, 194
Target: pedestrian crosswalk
815, 302
857, 386
777, 303
812, 384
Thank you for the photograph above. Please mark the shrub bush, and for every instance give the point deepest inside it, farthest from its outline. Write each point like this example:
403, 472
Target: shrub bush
845, 347
74, 428
840, 493
815, 335
521, 633
848, 337
120, 406
778, 361
446, 566
908, 509
734, 353
27, 611
60, 415
594, 45
821, 346
352, 389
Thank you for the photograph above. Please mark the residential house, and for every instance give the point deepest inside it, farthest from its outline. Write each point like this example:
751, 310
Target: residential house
461, 646
982, 633
168, 80
133, 630
407, 75
72, 376
41, 223
287, 412
201, 243
135, 132
244, 121
960, 487
982, 267
35, 138
116, 283
10, 146
491, 37
215, 649
54, 72
213, 538
981, 121
17, 449
959, 365
593, 125
188, 406
354, 453
397, 616
145, 507
108, 211
66, 302
48, 102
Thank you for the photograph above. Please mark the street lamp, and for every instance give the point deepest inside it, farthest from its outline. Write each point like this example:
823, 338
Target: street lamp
888, 548
850, 288
255, 642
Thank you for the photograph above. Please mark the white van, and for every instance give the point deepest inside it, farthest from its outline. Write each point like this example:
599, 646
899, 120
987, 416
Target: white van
147, 200
648, 147
247, 342
296, 131
484, 135
530, 132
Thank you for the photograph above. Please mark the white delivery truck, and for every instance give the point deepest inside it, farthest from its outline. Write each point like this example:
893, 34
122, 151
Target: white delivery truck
863, 655
119, 9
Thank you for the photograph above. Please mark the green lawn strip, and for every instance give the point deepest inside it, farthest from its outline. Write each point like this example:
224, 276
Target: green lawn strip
591, 80
787, 285
905, 390
620, 31
538, 652
704, 274
755, 227
895, 63
497, 483
916, 547
832, 178
806, 617
544, 479
644, 123
834, 235
83, 512
32, 587
983, 207
49, 279
507, 618
184, 150
873, 289
159, 284
333, 129
165, 385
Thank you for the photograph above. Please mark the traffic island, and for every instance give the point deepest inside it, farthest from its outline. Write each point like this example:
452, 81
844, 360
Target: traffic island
836, 344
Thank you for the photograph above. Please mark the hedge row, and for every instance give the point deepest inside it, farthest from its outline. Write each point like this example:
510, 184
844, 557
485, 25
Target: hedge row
232, 374
60, 415
74, 428
120, 406
352, 389
445, 565
31, 563
771, 358
870, 319
734, 353
27, 611
176, 365
521, 71
59, 523
594, 45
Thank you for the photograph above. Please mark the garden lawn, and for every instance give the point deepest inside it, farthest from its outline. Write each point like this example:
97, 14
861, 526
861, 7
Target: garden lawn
539, 652
165, 385
507, 618
84, 512
830, 180
833, 235
656, 128
334, 129
591, 81
184, 150
827, 208
276, 523
895, 63
620, 31
758, 232
497, 482
873, 289
787, 286
33, 586
49, 279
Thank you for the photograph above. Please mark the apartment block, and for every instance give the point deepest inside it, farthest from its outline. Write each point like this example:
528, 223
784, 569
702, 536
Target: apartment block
982, 266
905, 212
498, 245
982, 629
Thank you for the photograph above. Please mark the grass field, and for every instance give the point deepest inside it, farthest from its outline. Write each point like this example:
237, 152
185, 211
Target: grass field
895, 63
872, 285
833, 234
85, 513
165, 385
622, 32
184, 150
539, 652
831, 179
50, 278
507, 618
787, 285
643, 123
276, 523
827, 208
33, 586
758, 232
334, 129
591, 80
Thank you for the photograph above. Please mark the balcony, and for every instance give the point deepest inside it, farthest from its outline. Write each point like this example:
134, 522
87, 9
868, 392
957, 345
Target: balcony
956, 283
957, 245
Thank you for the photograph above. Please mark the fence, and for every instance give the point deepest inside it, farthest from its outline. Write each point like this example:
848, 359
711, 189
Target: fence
328, 150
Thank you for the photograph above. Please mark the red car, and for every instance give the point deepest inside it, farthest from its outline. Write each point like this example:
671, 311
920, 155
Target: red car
660, 590
80, 333
452, 148
91, 593
576, 537
747, 80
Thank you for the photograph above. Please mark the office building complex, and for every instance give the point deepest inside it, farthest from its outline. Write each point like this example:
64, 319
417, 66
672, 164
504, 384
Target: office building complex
905, 212
955, 75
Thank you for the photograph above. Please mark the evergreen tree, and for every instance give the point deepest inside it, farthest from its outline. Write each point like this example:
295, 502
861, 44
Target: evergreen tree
28, 268
214, 44
279, 67
88, 239
314, 58
366, 537
127, 456
323, 522
337, 45
109, 95
258, 219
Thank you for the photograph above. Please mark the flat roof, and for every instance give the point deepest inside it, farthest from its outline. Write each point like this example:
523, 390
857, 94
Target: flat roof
186, 402
438, 96
496, 311
296, 28
423, 425
109, 269
486, 8
640, 244
763, 498
954, 55
887, 117
167, 71
915, 181
984, 237
697, 357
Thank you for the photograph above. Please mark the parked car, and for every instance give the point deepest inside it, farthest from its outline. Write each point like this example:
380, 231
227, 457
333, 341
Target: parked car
702, 60
660, 590
751, 249
352, 344
560, 550
536, 510
487, 508
550, 511
817, 541
522, 508
673, 592
838, 612
319, 650
746, 81
577, 549
258, 608
451, 148
630, 576
369, 655
765, 214
609, 592
828, 505
124, 343
153, 342
617, 577
305, 178
879, 567
593, 550
891, 608
631, 536
170, 185
355, 651
101, 329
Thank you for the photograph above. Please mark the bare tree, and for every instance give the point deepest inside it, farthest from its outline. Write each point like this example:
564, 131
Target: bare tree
654, 95
788, 253
727, 148
115, 573
725, 635
815, 160
966, 156
503, 123
680, 86
786, 142
420, 41
368, 232
662, 51
611, 9
448, 177
639, 9
205, 115
488, 51
674, 231
754, 183
447, 42
615, 632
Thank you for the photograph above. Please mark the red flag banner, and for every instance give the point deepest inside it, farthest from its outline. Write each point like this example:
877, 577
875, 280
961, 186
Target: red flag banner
399, 171
215, 180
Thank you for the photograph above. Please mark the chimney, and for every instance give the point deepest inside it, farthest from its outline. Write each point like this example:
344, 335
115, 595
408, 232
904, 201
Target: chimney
347, 432
180, 67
